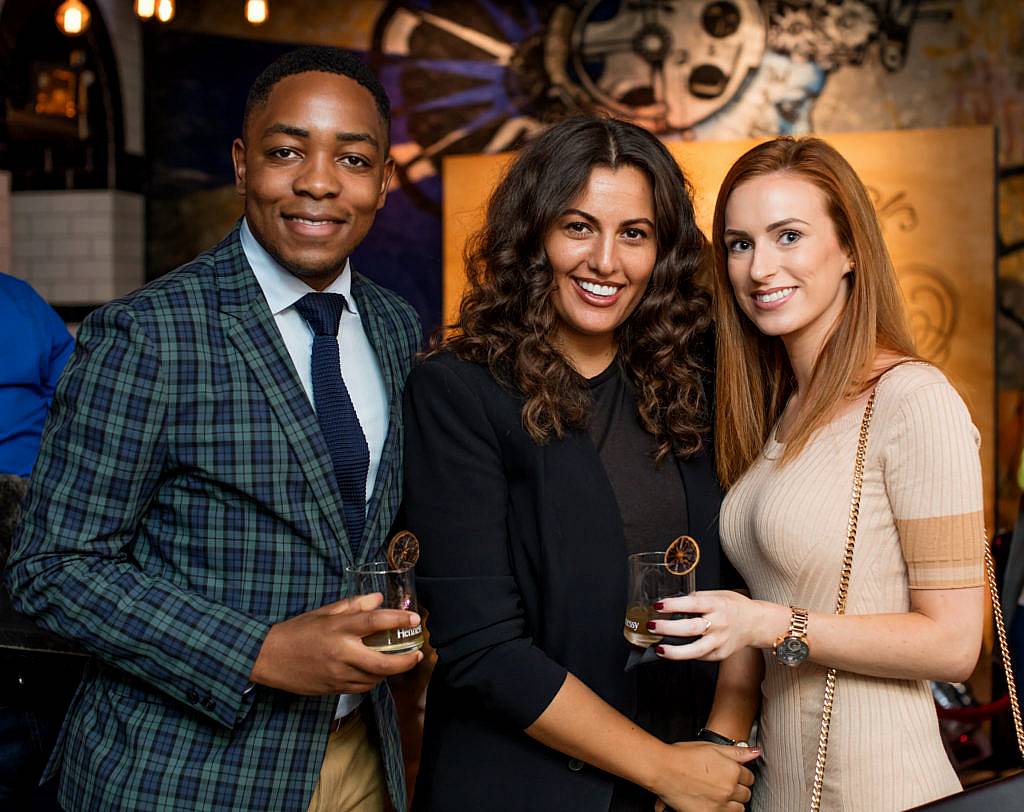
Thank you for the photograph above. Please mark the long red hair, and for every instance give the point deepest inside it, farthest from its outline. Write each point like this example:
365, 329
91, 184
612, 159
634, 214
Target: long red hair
754, 376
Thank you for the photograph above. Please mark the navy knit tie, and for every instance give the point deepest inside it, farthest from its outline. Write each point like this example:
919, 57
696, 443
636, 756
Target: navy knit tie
334, 411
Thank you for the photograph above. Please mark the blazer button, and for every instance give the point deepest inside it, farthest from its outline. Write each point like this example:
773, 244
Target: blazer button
209, 704
192, 696
575, 765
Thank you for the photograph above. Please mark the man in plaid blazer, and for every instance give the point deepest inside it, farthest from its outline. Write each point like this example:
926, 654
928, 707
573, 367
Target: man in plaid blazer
184, 521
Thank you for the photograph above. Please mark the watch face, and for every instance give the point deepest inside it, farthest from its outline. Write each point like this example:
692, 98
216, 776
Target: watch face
792, 651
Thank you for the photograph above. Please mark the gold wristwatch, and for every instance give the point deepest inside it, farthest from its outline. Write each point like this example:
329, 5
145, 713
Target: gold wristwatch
791, 649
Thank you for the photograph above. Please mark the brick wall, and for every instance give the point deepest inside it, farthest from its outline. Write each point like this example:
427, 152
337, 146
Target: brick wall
78, 247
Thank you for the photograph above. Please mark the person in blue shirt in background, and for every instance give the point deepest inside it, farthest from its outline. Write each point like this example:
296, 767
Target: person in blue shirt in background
35, 688
36, 346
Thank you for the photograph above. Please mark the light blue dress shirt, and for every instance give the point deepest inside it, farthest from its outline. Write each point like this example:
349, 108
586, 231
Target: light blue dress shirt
359, 365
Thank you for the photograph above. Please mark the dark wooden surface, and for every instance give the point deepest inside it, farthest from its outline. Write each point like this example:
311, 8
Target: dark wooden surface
19, 634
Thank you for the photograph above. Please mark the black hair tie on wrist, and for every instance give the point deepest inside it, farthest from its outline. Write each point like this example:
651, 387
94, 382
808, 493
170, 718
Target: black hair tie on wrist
706, 735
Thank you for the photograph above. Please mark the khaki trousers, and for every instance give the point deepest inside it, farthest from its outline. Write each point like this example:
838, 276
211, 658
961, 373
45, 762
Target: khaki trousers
352, 775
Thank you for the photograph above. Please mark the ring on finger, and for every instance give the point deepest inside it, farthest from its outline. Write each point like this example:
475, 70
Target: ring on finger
707, 626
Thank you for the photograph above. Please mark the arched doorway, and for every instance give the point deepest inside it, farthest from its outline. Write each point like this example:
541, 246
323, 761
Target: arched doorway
61, 122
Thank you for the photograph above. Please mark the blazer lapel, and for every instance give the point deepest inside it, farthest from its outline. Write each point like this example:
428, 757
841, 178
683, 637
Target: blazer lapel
249, 325
703, 498
378, 332
702, 495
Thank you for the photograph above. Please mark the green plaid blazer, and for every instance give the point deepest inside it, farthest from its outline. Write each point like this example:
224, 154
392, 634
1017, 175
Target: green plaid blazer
183, 501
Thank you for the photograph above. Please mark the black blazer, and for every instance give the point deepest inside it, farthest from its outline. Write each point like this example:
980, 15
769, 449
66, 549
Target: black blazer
523, 572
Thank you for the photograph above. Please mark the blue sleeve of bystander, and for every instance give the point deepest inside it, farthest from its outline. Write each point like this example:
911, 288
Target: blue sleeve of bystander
57, 341
36, 346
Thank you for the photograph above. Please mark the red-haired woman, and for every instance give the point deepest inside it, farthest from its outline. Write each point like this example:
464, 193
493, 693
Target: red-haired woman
810, 323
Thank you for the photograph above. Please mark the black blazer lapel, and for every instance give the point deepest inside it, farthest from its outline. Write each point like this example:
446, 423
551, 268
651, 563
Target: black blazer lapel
703, 502
249, 326
703, 495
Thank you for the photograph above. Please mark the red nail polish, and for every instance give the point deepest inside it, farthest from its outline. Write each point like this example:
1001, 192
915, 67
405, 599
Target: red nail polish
650, 625
659, 605
659, 649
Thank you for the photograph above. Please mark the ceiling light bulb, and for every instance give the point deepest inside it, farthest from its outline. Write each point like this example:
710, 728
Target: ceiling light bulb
73, 18
256, 11
165, 11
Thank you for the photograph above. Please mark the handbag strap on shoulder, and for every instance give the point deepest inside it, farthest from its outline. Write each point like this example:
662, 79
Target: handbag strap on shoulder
1004, 648
844, 588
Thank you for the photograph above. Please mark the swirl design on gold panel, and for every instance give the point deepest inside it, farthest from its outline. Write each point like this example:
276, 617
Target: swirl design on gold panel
895, 208
932, 310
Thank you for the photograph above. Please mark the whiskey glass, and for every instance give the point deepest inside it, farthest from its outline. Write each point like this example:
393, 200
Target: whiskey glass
650, 580
398, 587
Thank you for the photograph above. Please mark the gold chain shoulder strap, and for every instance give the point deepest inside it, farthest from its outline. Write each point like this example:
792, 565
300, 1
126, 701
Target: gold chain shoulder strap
844, 588
1004, 649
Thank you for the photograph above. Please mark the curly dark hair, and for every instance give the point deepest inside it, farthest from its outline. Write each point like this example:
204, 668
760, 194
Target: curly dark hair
507, 320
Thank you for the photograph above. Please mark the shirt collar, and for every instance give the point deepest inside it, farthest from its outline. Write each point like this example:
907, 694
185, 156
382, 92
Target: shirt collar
280, 288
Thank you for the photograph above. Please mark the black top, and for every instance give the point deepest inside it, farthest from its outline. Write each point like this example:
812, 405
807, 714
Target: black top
651, 495
652, 501
523, 569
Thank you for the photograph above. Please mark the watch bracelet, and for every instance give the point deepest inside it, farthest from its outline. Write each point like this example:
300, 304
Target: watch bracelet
798, 621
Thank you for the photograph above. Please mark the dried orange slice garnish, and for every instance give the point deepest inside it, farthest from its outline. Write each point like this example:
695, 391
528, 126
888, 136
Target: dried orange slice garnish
403, 550
682, 555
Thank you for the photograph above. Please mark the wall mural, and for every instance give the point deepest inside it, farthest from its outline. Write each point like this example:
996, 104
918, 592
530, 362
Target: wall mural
471, 77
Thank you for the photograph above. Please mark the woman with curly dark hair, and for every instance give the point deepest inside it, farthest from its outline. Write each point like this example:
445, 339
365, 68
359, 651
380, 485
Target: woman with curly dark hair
562, 425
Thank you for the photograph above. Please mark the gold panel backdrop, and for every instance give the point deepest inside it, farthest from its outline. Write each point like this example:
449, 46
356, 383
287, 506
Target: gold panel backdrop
935, 194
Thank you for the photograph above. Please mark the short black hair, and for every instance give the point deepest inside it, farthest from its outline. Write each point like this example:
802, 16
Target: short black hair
320, 58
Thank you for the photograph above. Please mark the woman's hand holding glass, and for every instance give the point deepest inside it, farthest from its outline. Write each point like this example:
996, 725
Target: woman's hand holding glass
724, 622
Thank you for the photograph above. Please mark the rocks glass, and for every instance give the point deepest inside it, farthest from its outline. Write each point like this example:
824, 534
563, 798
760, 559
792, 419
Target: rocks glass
650, 580
398, 587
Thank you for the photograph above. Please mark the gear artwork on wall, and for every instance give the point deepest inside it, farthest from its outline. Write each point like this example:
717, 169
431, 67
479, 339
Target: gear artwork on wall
464, 76
477, 76
663, 65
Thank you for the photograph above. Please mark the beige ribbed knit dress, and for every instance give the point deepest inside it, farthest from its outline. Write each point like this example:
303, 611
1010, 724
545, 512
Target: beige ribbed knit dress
920, 527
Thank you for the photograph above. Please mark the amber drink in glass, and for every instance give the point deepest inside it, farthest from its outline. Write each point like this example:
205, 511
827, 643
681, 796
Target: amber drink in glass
650, 581
398, 587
